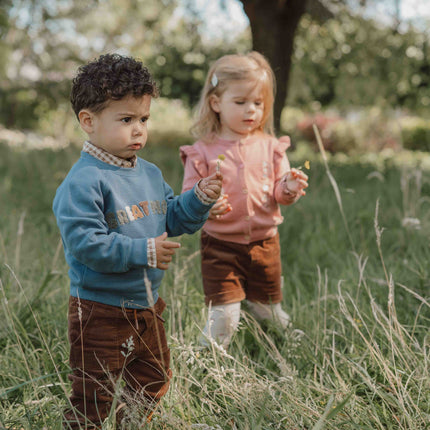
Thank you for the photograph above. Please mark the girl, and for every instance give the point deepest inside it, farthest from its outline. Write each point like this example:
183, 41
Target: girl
240, 243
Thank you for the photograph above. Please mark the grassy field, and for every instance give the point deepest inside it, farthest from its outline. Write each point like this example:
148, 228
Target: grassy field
356, 286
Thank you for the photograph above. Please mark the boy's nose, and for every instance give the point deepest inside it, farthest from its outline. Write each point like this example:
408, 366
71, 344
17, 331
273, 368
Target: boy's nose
138, 129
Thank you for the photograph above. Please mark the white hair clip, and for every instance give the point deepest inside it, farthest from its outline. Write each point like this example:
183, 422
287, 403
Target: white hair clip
214, 80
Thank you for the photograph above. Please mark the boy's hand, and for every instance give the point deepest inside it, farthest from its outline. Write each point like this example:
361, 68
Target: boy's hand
212, 185
220, 208
294, 182
164, 250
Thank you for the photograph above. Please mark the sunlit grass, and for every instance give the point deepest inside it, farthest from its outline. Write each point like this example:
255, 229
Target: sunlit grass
356, 356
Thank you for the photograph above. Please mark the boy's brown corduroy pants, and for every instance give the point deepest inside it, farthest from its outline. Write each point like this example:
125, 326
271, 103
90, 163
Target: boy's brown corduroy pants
109, 344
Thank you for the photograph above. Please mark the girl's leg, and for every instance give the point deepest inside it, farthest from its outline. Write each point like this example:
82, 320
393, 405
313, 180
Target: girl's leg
274, 313
222, 322
265, 281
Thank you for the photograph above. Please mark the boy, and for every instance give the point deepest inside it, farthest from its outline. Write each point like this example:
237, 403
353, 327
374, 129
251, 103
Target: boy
114, 212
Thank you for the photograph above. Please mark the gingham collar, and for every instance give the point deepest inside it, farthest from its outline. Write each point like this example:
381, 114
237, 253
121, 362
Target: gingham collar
107, 157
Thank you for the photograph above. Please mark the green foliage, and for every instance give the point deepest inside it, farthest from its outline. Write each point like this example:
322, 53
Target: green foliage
17, 107
175, 131
4, 50
361, 131
343, 62
356, 354
26, 106
416, 134
353, 61
46, 41
182, 70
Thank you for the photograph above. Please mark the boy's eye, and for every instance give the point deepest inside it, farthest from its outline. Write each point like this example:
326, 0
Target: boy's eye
240, 102
258, 103
126, 119
144, 119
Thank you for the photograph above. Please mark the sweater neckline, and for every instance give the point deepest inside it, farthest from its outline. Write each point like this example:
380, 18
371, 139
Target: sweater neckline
123, 170
242, 140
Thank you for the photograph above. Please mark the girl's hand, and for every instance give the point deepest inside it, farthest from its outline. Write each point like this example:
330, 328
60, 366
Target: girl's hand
212, 185
165, 250
220, 208
294, 183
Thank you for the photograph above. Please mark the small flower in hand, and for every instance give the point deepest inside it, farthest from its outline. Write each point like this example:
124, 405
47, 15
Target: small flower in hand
294, 183
211, 185
306, 165
221, 157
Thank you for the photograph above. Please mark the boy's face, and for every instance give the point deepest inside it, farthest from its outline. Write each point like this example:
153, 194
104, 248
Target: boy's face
120, 128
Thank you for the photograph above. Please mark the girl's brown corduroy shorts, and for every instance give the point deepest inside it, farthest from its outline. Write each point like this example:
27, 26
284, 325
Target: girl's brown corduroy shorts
108, 343
232, 271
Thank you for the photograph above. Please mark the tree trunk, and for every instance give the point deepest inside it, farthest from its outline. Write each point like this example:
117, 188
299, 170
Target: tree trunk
273, 26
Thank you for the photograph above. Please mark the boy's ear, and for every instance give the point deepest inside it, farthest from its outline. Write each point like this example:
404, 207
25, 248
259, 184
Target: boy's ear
86, 119
214, 103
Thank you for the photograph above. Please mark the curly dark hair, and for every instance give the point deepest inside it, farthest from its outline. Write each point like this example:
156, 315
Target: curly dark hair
110, 77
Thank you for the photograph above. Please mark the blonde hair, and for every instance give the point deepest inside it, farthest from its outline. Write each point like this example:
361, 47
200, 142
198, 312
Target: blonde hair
229, 68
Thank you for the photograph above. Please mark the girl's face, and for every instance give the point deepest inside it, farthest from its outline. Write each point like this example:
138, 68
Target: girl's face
240, 109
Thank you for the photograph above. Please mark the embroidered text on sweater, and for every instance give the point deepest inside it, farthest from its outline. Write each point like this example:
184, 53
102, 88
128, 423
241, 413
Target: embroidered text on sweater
108, 265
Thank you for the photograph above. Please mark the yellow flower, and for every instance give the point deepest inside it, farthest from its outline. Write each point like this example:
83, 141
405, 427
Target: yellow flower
221, 157
306, 165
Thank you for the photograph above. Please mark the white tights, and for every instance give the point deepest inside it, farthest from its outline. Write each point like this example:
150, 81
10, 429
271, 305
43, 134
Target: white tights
223, 320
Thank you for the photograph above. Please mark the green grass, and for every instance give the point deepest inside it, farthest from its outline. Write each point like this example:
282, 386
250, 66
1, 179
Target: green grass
356, 356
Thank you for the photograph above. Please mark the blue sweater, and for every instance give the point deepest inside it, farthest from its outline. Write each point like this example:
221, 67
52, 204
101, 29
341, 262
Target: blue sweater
106, 214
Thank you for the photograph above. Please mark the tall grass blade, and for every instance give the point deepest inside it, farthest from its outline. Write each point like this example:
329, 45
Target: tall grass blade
19, 235
333, 184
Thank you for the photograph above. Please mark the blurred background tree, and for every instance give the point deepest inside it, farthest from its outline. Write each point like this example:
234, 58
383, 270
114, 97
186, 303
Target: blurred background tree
44, 41
339, 45
47, 40
342, 54
273, 26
